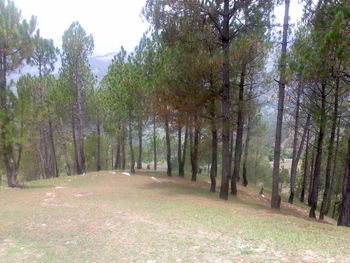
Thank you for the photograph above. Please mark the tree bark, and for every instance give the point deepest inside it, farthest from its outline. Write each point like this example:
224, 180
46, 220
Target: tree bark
132, 158
225, 39
154, 143
195, 150
179, 153
118, 161
139, 160
313, 158
319, 152
276, 198
98, 157
239, 134
327, 190
168, 147
214, 154
247, 141
306, 166
344, 216
293, 173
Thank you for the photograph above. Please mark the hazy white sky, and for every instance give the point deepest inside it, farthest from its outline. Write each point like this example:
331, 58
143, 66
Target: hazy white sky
111, 22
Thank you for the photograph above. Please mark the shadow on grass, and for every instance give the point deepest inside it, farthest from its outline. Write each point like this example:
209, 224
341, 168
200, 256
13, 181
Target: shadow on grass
186, 190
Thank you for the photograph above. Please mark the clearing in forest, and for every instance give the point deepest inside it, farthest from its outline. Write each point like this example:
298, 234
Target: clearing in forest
148, 217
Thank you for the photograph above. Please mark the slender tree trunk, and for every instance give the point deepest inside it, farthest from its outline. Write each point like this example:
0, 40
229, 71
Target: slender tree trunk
184, 153
276, 198
319, 152
139, 160
334, 174
179, 153
168, 147
80, 128
123, 156
132, 158
154, 143
77, 163
306, 165
246, 150
225, 102
327, 190
118, 161
195, 150
344, 216
313, 158
214, 154
53, 149
293, 173
239, 133
98, 157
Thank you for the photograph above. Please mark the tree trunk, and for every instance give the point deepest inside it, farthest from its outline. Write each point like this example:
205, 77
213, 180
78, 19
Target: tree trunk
195, 150
334, 174
53, 150
168, 146
225, 38
327, 190
306, 165
179, 153
184, 153
313, 157
293, 173
276, 198
154, 143
123, 156
344, 216
319, 152
118, 161
239, 133
132, 158
139, 160
246, 150
98, 157
7, 145
298, 155
214, 154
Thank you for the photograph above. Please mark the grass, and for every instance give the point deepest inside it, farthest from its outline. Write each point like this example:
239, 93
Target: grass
105, 217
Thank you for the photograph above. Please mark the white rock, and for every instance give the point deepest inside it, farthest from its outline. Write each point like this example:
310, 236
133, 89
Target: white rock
126, 173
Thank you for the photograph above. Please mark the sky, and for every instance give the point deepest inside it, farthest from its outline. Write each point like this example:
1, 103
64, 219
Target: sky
112, 23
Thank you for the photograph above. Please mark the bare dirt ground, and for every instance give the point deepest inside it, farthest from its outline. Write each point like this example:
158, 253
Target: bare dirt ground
112, 217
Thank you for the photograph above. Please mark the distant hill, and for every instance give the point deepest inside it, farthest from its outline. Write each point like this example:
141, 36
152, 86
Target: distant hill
99, 65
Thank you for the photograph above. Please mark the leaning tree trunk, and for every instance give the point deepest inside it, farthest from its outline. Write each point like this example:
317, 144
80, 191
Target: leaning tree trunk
225, 39
132, 158
293, 173
298, 154
276, 198
139, 160
327, 190
239, 134
154, 143
319, 152
344, 216
168, 147
306, 166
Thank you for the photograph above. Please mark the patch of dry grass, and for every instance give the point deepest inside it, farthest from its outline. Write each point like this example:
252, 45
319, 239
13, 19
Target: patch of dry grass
106, 217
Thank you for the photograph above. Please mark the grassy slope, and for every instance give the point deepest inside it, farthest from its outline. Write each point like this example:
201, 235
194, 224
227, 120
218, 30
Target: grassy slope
105, 217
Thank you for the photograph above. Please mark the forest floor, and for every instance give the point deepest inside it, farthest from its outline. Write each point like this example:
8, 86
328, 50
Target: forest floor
112, 217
